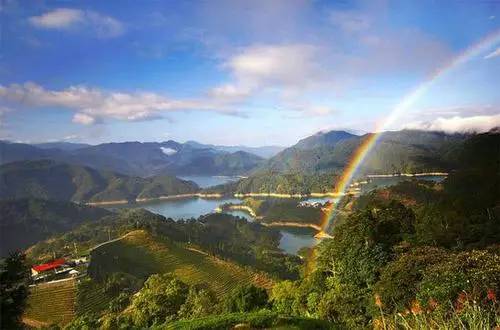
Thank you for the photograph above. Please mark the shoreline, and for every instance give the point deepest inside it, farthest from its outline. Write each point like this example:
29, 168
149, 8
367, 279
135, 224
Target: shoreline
245, 208
143, 200
292, 224
407, 175
277, 195
212, 196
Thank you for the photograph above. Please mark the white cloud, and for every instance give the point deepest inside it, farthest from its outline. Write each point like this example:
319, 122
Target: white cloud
274, 64
283, 69
494, 53
168, 151
459, 124
60, 18
91, 104
84, 119
78, 20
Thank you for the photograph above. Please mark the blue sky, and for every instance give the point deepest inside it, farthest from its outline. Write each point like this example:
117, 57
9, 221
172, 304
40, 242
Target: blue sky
242, 72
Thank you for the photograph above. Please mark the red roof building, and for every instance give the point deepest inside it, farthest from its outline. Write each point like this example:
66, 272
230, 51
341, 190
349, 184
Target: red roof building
35, 270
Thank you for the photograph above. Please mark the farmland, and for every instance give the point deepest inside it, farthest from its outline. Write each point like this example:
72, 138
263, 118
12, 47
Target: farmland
52, 303
140, 255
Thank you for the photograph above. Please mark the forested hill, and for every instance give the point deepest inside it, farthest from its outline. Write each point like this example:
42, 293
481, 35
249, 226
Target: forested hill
398, 151
48, 179
24, 222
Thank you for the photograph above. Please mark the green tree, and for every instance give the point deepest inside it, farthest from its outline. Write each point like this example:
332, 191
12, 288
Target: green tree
284, 297
352, 261
199, 302
159, 300
400, 279
14, 276
246, 298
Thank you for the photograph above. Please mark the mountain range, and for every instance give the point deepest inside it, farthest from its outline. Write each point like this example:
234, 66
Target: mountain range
396, 151
138, 159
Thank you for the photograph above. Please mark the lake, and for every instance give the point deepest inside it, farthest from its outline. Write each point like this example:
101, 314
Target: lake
291, 241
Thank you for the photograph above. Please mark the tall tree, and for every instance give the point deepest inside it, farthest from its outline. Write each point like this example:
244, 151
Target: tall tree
14, 277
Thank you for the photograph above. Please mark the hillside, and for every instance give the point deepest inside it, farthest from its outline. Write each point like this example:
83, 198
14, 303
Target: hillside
139, 254
24, 222
323, 139
398, 151
51, 303
48, 179
279, 183
136, 158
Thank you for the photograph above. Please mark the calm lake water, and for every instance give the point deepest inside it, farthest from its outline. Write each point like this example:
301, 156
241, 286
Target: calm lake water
182, 208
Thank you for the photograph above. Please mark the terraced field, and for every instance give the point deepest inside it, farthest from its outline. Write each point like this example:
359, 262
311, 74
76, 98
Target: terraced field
52, 303
90, 297
139, 254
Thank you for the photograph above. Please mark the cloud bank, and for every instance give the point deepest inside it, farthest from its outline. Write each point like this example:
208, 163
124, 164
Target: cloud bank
459, 124
92, 105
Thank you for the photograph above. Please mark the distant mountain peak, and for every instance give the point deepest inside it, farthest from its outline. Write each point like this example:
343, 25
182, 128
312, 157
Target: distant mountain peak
320, 139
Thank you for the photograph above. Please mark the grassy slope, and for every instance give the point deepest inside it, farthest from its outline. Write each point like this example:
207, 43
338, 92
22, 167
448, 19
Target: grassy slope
52, 303
139, 254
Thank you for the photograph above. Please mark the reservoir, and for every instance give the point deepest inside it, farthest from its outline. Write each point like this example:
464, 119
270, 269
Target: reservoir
292, 240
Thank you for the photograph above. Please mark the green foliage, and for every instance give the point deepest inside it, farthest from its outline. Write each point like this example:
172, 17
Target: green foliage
470, 273
400, 279
283, 298
84, 322
246, 299
159, 300
14, 277
199, 302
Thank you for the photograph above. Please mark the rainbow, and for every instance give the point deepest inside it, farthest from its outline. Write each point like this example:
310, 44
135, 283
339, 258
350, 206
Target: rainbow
367, 145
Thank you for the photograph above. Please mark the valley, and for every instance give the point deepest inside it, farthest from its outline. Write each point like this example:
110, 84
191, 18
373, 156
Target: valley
219, 238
